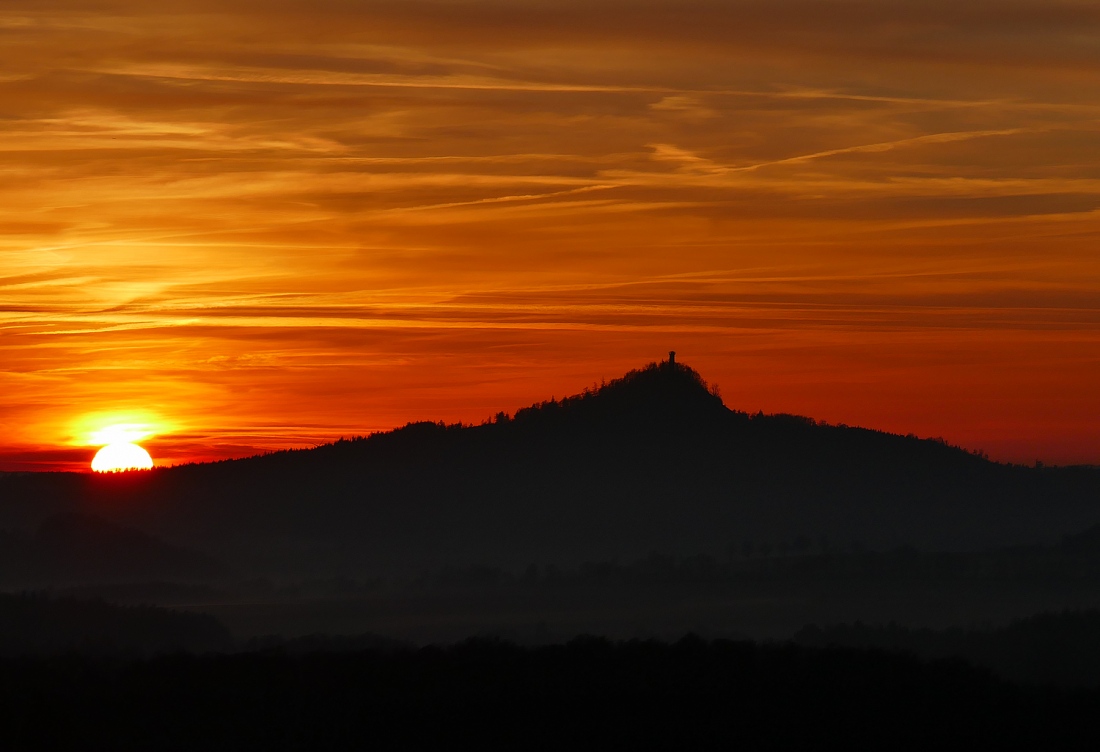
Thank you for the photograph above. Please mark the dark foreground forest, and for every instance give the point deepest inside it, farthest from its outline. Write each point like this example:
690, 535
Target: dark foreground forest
587, 694
92, 675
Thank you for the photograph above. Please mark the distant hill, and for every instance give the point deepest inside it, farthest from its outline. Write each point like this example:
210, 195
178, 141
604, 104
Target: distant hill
73, 547
1050, 648
651, 461
39, 625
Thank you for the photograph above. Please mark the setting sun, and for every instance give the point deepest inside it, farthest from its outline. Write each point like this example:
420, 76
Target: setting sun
122, 456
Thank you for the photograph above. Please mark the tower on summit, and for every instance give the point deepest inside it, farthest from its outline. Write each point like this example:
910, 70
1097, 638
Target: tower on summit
672, 357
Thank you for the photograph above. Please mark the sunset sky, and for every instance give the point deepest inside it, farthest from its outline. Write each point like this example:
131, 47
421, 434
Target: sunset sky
237, 226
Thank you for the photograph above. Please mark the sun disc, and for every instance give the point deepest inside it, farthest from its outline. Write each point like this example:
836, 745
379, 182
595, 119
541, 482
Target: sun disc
120, 456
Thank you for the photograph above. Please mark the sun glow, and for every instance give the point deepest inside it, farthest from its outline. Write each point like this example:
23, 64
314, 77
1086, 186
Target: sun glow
121, 456
121, 433
118, 434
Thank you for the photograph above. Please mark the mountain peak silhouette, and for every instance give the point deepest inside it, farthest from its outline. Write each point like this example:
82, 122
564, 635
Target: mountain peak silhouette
651, 461
660, 394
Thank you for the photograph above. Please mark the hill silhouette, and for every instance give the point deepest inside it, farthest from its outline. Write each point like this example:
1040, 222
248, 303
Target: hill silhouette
35, 624
651, 461
74, 547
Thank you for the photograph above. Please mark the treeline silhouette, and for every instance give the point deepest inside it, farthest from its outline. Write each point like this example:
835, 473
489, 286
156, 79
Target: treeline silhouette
651, 461
587, 694
762, 591
1049, 648
1076, 559
1061, 649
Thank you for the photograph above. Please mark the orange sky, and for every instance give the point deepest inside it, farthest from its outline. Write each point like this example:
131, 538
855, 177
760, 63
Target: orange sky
248, 225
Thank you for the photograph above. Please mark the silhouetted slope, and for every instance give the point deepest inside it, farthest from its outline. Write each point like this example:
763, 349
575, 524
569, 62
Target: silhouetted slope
652, 461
